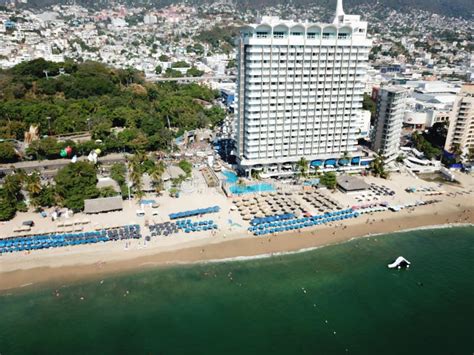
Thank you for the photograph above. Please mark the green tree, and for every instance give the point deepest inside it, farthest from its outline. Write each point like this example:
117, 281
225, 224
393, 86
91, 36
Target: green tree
75, 183
156, 176
369, 104
216, 115
46, 148
171, 73
7, 207
158, 69
47, 196
186, 166
193, 71
164, 58
33, 187
328, 179
7, 153
470, 154
377, 166
136, 177
303, 165
180, 64
118, 173
107, 191
255, 174
345, 159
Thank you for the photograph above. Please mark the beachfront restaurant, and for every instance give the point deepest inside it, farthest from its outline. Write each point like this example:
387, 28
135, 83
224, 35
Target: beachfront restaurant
351, 184
103, 204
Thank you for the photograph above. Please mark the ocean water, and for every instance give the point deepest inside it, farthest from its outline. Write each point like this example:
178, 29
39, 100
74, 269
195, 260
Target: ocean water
335, 300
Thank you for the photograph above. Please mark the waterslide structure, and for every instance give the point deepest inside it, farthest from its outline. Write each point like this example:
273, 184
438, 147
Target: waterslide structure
399, 263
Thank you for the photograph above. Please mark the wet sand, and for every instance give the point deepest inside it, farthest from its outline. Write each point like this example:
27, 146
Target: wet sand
107, 261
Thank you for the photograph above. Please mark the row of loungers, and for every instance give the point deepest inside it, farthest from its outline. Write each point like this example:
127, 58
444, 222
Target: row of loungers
188, 226
300, 223
165, 229
37, 242
192, 213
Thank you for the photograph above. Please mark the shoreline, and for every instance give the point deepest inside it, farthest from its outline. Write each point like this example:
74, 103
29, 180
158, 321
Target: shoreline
239, 246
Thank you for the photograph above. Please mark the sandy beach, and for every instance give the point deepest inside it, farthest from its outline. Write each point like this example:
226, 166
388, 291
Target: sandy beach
99, 261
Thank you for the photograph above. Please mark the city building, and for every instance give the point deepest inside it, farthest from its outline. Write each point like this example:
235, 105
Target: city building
391, 103
363, 124
429, 102
299, 92
461, 122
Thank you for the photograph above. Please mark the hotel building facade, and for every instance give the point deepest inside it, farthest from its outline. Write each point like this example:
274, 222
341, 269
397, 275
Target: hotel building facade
461, 122
391, 106
300, 89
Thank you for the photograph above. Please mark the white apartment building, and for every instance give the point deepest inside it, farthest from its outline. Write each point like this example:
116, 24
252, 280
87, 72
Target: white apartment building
461, 121
299, 92
391, 105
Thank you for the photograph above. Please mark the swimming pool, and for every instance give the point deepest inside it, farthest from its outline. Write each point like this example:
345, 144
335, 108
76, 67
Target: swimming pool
231, 178
262, 187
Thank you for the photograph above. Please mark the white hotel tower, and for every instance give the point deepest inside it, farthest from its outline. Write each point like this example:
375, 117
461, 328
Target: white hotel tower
300, 89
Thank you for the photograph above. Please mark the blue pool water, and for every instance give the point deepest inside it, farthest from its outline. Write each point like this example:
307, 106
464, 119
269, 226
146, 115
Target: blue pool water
263, 187
231, 178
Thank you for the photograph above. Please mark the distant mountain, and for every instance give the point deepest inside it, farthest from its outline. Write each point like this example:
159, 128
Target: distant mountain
453, 8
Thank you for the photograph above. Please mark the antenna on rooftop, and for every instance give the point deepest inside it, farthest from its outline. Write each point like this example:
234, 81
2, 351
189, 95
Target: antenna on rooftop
339, 15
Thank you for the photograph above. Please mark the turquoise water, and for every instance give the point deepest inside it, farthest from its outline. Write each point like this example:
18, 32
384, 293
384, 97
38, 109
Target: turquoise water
353, 304
232, 178
262, 187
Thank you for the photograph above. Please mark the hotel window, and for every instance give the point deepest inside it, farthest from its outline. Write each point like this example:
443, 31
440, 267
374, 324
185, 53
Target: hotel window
278, 34
296, 33
262, 34
313, 34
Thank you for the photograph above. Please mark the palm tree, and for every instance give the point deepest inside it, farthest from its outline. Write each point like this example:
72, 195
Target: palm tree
378, 166
346, 156
457, 151
241, 183
136, 177
156, 175
256, 174
12, 186
303, 167
33, 184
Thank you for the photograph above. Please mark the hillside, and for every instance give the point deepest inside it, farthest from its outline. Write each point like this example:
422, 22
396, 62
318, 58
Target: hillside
454, 8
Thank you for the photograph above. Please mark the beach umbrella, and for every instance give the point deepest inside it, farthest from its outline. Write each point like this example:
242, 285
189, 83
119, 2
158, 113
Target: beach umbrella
247, 217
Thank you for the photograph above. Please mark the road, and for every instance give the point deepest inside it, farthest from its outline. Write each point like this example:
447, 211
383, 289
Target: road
192, 78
